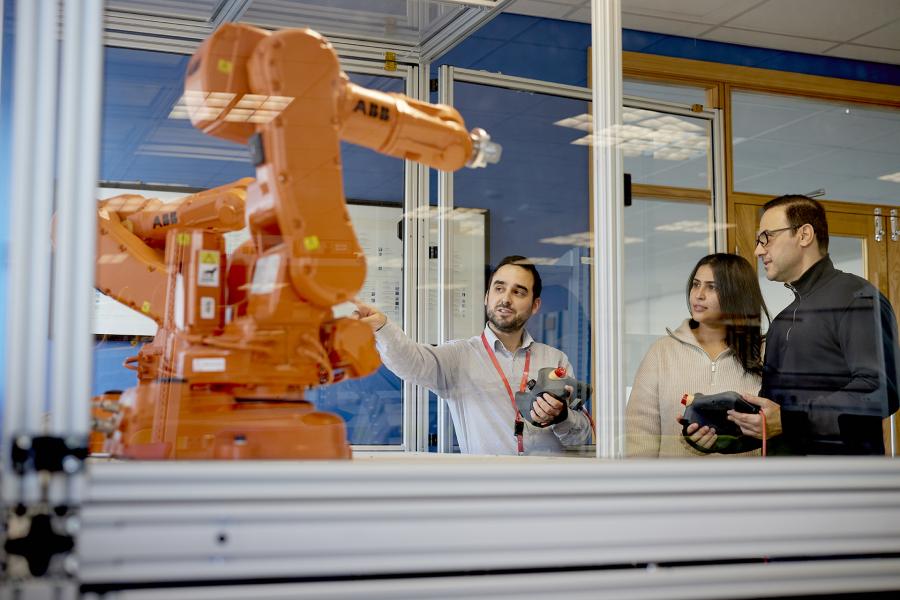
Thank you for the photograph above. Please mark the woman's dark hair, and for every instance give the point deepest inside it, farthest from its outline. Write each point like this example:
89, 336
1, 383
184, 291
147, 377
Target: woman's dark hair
741, 304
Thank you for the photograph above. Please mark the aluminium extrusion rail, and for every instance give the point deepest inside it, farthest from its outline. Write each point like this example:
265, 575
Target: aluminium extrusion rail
408, 520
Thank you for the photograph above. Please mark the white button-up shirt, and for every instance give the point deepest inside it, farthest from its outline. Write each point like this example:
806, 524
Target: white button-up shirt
462, 373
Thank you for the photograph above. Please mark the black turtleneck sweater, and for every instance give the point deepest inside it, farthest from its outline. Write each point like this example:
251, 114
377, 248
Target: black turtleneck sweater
831, 364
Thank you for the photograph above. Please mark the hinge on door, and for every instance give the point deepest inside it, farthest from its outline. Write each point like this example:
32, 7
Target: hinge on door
879, 226
895, 231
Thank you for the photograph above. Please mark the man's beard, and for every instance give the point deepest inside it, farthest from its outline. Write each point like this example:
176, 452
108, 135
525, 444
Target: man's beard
509, 326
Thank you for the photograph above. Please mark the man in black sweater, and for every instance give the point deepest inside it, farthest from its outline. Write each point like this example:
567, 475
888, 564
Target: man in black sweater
830, 372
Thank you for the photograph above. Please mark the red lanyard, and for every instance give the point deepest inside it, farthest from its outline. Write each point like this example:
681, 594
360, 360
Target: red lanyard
519, 426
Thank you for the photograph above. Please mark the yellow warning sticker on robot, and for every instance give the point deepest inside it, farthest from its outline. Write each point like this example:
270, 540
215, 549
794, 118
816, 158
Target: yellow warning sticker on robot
311, 242
225, 66
208, 266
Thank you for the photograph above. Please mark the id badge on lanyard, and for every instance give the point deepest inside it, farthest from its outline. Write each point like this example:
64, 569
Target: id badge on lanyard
519, 424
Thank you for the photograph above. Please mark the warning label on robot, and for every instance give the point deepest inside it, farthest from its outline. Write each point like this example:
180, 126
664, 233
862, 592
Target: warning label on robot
207, 307
208, 365
265, 275
208, 268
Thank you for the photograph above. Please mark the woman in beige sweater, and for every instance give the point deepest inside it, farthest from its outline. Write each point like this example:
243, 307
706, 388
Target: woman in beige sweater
718, 349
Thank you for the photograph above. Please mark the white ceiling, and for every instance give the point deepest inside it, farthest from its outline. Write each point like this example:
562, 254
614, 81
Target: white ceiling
858, 29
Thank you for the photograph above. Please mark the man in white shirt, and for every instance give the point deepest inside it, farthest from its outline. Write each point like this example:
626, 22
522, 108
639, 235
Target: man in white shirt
479, 376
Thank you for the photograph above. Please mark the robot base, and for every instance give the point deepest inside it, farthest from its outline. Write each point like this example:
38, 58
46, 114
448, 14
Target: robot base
176, 420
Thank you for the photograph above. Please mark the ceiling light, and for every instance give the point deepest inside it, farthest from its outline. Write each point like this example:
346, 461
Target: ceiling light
574, 239
583, 122
685, 226
894, 177
582, 239
694, 226
542, 260
206, 106
644, 133
631, 115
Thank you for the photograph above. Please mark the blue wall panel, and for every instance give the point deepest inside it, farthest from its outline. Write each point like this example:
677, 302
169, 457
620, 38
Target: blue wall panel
556, 51
749, 56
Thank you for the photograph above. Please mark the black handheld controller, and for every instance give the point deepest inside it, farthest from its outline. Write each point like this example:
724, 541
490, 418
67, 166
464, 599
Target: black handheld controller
552, 381
712, 410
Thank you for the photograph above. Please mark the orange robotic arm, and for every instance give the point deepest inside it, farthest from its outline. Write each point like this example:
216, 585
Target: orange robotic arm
286, 95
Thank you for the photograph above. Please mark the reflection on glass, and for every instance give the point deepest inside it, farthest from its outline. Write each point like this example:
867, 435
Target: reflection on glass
788, 144
662, 240
659, 149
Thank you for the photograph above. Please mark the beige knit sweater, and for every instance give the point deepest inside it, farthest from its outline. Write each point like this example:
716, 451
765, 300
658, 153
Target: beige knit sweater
676, 365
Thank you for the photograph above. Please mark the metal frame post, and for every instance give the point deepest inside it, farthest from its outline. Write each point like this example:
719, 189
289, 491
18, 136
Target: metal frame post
44, 443
31, 201
608, 228
444, 241
76, 223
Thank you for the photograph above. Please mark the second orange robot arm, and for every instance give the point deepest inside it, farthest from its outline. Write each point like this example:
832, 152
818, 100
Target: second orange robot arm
131, 233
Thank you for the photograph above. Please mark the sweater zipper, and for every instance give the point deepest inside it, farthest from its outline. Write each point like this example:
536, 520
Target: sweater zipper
787, 338
712, 363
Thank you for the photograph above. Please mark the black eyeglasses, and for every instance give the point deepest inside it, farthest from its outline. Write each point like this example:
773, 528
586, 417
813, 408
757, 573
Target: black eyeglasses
764, 236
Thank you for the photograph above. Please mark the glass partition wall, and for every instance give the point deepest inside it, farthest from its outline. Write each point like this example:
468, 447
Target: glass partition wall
671, 222
537, 202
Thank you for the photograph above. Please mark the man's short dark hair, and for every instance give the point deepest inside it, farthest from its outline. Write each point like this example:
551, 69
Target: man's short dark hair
801, 210
523, 262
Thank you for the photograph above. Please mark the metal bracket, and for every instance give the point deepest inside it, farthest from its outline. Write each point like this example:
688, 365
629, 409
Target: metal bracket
879, 225
895, 231
390, 61
42, 542
48, 453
